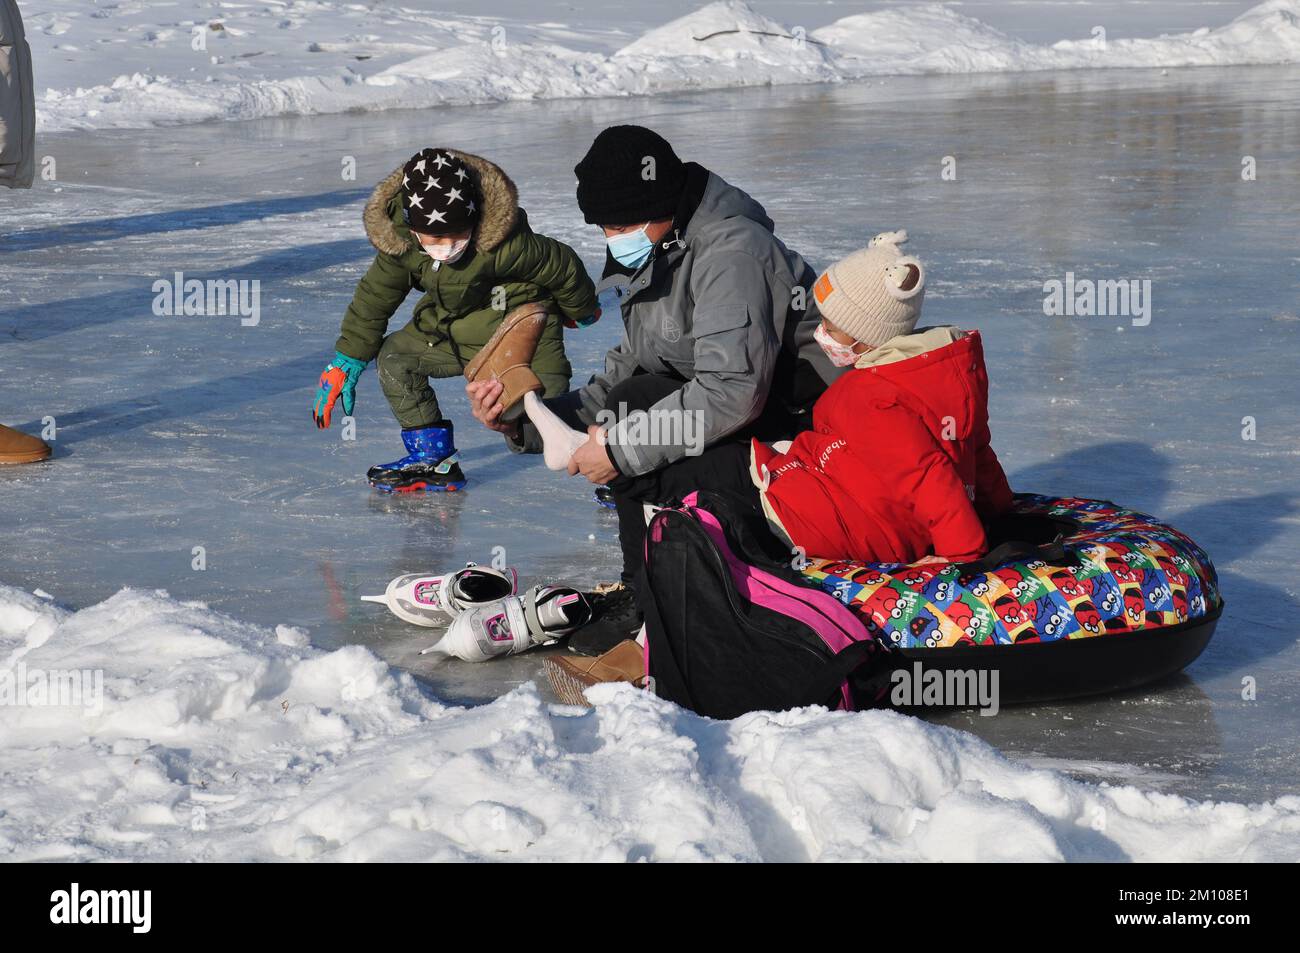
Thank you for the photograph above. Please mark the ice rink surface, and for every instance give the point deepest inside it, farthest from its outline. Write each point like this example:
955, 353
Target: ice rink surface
179, 432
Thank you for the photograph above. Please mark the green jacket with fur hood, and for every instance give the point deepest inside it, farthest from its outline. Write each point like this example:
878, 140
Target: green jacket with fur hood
457, 307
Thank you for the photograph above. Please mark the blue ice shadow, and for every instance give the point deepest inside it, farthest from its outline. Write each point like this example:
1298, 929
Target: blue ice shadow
212, 216
39, 321
1138, 476
1127, 472
1264, 622
193, 400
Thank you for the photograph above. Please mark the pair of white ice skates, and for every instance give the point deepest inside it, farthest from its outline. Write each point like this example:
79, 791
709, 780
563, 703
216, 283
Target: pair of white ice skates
483, 612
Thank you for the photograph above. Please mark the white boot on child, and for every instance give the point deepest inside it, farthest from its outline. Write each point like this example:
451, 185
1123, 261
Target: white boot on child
559, 440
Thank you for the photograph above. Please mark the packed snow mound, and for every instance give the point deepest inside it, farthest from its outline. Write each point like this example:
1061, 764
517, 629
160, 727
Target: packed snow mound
215, 740
932, 33
120, 66
730, 31
937, 39
1268, 33
723, 44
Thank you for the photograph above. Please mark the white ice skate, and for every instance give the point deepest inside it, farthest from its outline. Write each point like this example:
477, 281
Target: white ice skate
434, 601
514, 624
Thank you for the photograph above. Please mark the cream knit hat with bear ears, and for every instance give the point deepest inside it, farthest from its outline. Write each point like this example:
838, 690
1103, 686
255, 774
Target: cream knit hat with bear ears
862, 294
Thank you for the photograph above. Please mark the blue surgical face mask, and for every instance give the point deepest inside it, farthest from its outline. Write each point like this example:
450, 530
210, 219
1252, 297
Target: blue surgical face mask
631, 249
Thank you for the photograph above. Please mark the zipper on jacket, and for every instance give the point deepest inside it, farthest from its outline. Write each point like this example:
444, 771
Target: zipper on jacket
676, 240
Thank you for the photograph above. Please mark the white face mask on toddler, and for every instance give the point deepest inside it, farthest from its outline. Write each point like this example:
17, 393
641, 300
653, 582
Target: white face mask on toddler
841, 355
446, 253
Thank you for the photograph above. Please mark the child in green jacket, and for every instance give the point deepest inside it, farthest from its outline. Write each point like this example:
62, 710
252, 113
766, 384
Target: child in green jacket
449, 223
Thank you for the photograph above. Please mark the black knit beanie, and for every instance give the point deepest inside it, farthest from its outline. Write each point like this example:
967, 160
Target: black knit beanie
439, 194
629, 175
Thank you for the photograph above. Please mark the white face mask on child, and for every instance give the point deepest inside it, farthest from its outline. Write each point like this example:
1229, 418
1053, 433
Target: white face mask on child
446, 253
841, 355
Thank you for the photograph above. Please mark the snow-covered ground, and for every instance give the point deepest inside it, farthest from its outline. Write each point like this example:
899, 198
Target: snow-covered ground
134, 63
299, 731
223, 741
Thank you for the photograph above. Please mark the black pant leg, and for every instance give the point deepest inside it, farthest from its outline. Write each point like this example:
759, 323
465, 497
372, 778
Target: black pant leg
639, 392
724, 466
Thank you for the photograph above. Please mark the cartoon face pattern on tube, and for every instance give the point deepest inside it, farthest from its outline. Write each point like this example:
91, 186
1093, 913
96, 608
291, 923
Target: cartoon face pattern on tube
1133, 573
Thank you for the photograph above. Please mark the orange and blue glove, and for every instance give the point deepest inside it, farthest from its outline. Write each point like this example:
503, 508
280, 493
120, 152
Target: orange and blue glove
608, 299
339, 379
574, 323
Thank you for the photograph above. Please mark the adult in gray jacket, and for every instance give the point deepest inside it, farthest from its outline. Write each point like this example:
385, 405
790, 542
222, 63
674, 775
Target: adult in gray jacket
717, 345
17, 102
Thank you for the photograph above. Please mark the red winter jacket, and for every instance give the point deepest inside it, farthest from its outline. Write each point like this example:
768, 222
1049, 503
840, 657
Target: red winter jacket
898, 464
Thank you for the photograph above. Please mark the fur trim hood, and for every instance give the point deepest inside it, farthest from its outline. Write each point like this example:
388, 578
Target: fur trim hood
500, 208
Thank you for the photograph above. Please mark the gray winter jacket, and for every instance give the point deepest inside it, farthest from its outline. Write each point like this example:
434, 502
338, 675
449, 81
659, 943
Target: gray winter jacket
724, 305
17, 102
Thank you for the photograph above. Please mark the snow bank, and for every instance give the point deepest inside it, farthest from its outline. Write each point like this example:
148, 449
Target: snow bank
937, 39
213, 739
724, 44
120, 65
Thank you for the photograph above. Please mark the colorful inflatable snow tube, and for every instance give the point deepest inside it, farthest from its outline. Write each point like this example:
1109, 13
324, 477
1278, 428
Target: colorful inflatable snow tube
1076, 597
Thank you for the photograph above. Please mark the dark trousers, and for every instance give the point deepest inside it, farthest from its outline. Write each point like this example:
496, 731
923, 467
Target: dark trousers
723, 466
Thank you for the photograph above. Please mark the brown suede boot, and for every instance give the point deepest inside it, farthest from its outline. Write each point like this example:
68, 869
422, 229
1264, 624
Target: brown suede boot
509, 352
18, 447
570, 675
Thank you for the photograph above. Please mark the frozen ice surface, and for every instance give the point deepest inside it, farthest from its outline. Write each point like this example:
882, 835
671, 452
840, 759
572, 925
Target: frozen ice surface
176, 432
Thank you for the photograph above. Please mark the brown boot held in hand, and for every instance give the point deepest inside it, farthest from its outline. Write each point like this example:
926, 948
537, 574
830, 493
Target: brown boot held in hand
571, 675
509, 352
17, 447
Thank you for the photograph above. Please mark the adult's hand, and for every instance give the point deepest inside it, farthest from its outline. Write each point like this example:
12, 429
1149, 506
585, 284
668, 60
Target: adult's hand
485, 404
592, 459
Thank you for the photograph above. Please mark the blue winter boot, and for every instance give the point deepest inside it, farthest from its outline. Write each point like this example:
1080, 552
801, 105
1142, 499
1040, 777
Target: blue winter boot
430, 463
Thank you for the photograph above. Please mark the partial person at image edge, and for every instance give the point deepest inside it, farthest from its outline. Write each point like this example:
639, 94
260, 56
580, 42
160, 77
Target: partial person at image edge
17, 169
17, 102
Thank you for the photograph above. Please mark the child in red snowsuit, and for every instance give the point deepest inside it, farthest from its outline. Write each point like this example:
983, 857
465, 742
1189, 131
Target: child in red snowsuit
898, 466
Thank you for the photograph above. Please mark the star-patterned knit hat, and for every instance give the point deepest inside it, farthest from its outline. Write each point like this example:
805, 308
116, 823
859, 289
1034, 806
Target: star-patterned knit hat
439, 193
